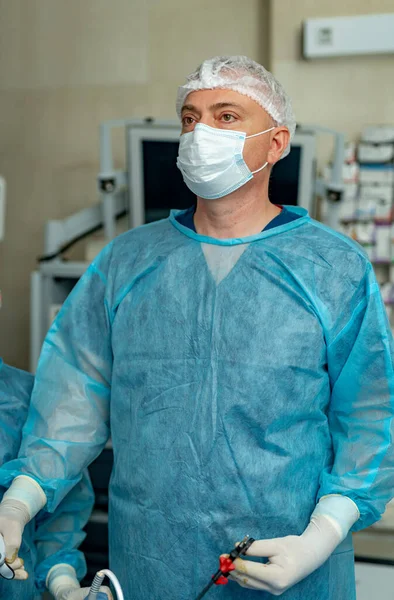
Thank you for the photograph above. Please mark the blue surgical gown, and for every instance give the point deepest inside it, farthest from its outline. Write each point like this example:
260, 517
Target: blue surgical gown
241, 380
51, 538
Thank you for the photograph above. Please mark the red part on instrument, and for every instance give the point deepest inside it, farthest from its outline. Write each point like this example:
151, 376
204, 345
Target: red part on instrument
226, 564
221, 581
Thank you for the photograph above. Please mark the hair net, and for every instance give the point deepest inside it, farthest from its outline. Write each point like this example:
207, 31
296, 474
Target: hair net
243, 75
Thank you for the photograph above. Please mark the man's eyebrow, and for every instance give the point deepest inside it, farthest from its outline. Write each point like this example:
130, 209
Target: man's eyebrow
219, 105
190, 107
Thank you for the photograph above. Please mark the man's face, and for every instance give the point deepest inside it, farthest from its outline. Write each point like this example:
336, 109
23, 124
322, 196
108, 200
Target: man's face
226, 109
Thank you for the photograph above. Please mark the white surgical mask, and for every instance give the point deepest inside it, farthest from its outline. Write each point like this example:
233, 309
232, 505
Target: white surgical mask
211, 161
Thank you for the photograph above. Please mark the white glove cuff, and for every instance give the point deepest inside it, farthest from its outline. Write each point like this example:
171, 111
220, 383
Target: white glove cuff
27, 491
61, 577
340, 510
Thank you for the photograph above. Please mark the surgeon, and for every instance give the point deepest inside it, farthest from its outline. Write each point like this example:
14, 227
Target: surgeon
49, 546
240, 354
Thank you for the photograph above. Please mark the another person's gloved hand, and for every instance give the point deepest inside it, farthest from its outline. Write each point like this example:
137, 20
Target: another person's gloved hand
293, 558
63, 584
20, 504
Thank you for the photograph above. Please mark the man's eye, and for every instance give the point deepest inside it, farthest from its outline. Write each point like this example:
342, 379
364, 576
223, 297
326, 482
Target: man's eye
227, 118
188, 120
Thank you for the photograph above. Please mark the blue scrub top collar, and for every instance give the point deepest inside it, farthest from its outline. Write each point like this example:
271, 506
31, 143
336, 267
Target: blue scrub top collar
304, 217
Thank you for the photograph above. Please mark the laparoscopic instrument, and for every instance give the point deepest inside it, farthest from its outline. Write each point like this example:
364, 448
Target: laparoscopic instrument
226, 565
219, 578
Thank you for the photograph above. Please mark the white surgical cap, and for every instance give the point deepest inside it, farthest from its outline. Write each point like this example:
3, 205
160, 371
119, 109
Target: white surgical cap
243, 75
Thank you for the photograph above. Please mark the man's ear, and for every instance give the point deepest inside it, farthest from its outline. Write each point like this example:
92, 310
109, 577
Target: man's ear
279, 142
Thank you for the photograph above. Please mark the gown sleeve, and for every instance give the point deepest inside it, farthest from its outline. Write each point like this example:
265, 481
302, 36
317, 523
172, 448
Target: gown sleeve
68, 420
361, 412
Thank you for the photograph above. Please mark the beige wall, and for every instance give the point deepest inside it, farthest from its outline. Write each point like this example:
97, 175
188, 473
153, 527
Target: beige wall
343, 93
64, 68
67, 66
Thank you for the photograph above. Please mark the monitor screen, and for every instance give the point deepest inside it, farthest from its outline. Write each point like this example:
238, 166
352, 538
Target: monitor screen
163, 182
285, 179
164, 188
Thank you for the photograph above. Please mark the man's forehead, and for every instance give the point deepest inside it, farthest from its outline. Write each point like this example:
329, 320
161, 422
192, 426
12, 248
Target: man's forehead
220, 98
217, 96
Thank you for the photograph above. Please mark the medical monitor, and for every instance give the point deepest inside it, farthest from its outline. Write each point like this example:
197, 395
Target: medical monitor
155, 184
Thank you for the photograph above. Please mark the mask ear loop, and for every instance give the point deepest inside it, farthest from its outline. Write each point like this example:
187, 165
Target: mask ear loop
258, 170
255, 135
261, 133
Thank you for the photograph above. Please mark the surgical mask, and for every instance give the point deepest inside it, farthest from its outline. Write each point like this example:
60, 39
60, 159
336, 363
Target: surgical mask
211, 161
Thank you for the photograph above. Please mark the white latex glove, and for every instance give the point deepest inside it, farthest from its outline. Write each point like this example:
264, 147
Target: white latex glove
63, 584
293, 558
20, 504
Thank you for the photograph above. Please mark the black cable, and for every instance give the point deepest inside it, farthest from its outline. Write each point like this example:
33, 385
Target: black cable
71, 243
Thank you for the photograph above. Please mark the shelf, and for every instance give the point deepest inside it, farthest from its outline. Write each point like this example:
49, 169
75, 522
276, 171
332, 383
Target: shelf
65, 270
355, 221
374, 545
367, 221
